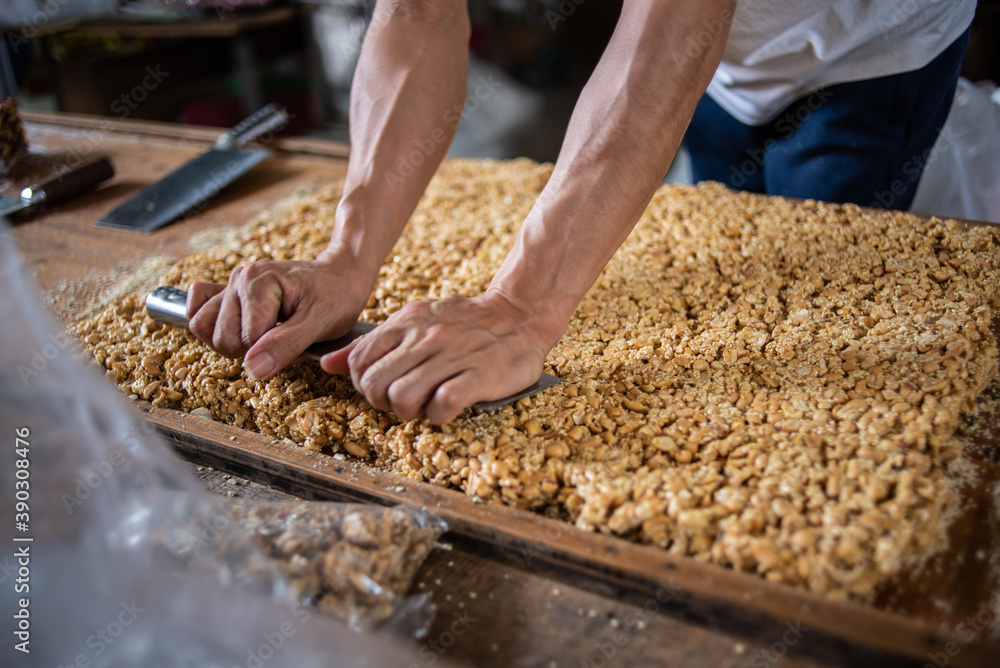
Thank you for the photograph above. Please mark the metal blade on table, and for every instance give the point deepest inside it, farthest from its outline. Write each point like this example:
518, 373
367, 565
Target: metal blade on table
316, 351
169, 306
9, 205
544, 381
184, 189
193, 184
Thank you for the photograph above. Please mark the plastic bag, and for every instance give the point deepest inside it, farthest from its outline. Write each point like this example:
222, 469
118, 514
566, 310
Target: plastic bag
961, 178
352, 561
112, 553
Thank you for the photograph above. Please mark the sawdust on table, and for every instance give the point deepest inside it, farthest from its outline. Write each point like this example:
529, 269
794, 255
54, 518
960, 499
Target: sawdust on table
980, 438
77, 299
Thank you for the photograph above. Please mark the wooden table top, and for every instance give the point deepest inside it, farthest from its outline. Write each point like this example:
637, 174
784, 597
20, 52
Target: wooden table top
526, 613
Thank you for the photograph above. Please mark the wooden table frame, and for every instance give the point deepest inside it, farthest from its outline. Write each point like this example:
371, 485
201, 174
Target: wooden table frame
712, 595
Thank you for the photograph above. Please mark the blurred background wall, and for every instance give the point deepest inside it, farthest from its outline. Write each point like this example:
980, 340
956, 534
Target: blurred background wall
210, 61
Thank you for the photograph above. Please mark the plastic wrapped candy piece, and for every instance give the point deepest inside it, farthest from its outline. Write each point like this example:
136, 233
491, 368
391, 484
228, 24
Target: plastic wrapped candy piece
354, 562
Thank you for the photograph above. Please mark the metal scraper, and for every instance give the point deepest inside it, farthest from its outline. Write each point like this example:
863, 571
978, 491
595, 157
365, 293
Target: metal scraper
169, 306
194, 183
60, 187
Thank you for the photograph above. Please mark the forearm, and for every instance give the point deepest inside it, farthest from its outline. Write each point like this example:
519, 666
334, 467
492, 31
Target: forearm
406, 100
625, 129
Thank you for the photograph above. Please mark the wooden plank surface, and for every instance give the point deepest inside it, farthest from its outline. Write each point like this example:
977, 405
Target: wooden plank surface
917, 614
224, 23
174, 132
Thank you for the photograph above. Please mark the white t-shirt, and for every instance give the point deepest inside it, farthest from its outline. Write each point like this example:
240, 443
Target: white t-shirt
781, 50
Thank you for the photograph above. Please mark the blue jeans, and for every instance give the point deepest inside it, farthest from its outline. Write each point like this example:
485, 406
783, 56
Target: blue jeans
864, 142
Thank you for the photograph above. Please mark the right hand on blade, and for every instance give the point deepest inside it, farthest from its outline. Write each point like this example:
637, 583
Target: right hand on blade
313, 301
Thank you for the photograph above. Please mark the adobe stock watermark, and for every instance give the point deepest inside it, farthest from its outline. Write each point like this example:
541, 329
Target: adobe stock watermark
129, 101
696, 44
896, 530
224, 7
212, 186
785, 126
541, 545
424, 148
913, 169
432, 650
93, 476
48, 10
350, 45
92, 141
372, 24
216, 181
42, 355
272, 641
563, 11
206, 533
794, 631
634, 622
967, 631
901, 13
105, 636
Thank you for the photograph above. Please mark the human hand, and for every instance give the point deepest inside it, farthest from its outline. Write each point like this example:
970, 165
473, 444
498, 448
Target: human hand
315, 301
438, 357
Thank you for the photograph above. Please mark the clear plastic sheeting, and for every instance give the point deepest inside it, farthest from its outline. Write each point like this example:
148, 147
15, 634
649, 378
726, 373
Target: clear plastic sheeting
961, 177
111, 554
352, 561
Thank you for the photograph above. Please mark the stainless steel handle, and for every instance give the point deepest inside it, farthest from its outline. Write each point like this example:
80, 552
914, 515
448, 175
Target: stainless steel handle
265, 119
168, 305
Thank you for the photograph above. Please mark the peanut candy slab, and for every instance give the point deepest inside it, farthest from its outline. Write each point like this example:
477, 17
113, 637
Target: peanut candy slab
766, 384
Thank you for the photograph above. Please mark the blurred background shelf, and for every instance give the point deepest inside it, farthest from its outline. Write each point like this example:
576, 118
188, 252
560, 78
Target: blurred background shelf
221, 59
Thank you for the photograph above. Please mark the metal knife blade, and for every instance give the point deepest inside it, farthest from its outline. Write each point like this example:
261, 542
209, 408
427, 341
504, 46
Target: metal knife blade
61, 186
182, 190
169, 306
9, 205
194, 183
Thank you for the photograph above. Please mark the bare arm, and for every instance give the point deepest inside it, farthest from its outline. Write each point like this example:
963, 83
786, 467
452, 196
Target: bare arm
625, 130
438, 357
408, 90
406, 100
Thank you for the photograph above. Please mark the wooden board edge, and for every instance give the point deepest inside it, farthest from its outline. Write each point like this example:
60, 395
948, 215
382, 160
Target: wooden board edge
223, 24
177, 131
562, 545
